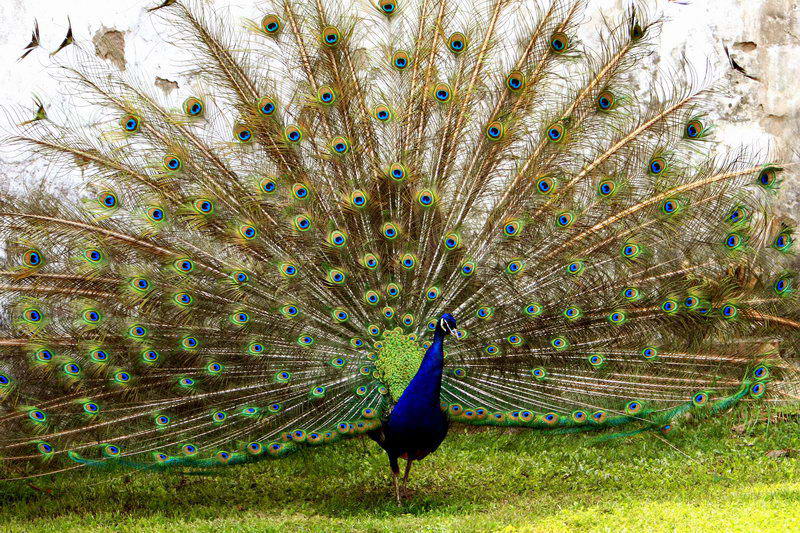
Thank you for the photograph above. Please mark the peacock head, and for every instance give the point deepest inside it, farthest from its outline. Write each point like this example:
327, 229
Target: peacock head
447, 324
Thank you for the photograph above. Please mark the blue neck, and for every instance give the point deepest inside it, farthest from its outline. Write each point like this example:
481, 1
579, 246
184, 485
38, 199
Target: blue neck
423, 391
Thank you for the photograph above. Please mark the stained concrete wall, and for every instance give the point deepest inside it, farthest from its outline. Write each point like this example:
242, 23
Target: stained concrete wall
763, 37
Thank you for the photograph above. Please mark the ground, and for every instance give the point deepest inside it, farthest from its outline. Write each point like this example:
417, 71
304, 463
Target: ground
721, 475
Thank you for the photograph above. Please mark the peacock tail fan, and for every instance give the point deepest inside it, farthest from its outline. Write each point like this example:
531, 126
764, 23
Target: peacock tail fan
258, 268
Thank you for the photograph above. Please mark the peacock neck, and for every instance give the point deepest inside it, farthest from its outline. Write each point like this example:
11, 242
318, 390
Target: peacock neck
427, 382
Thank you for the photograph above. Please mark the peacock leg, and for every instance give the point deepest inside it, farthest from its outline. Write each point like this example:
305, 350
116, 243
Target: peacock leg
395, 474
408, 469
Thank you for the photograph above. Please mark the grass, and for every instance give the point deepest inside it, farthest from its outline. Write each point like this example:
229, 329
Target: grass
720, 480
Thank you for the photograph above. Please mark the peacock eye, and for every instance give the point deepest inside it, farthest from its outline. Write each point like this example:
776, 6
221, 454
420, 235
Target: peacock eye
271, 24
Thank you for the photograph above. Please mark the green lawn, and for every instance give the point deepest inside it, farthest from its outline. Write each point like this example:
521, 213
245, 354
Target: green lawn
720, 480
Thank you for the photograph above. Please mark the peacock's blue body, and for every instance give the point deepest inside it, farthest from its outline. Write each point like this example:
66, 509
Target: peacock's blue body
260, 268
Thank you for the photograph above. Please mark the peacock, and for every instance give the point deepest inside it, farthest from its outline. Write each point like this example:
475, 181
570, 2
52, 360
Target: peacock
378, 220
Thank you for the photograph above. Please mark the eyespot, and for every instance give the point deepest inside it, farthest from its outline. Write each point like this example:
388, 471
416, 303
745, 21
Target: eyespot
219, 416
130, 123
283, 376
783, 286
93, 255
630, 251
669, 206
484, 312
407, 320
301, 223
512, 228
382, 113
189, 343
572, 312
630, 293
579, 416
71, 369
515, 80
761, 372
387, 7
243, 134
271, 24
255, 348
491, 349
468, 268
266, 105
203, 206
408, 261
358, 199
442, 92
340, 145
605, 101
372, 297
555, 132
32, 258
607, 188
389, 230
370, 261
91, 316
539, 373
137, 331
45, 448
155, 214
559, 343
150, 356
515, 266
649, 352
701, 398
108, 199
99, 356
598, 417
122, 377
575, 268
533, 309
734, 241
44, 355
757, 390
337, 238
214, 368
292, 134
559, 42
783, 241
656, 166
495, 131
729, 311
452, 241
617, 317
317, 392
400, 60
290, 310
545, 185
288, 270
633, 407
247, 231
240, 276
194, 107
393, 290
693, 130
183, 265
426, 198
330, 36
767, 178
336, 276
37, 416
551, 419
432, 293
669, 306
240, 318
186, 382
457, 43
565, 219
32, 315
